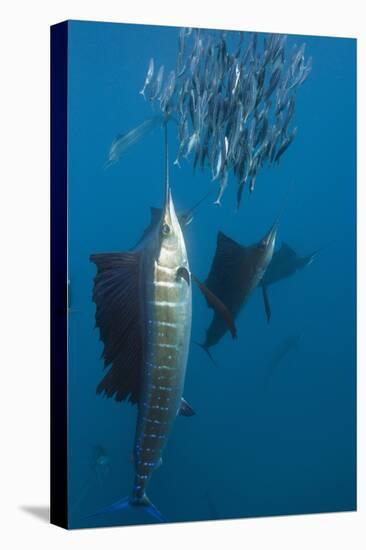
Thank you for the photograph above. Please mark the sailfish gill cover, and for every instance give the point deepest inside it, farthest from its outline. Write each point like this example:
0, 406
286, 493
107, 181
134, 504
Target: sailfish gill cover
240, 240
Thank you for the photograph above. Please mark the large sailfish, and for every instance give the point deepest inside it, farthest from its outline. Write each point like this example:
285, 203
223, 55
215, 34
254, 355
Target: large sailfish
143, 311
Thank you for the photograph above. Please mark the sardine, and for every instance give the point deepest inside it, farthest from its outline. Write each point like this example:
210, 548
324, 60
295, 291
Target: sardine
156, 86
149, 75
123, 141
285, 145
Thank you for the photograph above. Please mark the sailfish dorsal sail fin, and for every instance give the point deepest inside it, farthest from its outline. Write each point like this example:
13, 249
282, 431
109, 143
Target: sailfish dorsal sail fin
224, 278
116, 295
228, 253
287, 250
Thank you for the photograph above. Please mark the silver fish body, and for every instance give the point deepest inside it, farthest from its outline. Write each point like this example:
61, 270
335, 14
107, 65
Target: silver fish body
143, 303
149, 76
167, 312
124, 141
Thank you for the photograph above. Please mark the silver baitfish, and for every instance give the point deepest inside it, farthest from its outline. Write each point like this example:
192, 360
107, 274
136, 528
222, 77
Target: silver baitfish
244, 93
122, 142
149, 76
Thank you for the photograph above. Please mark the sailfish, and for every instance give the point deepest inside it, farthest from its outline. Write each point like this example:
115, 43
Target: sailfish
143, 303
235, 272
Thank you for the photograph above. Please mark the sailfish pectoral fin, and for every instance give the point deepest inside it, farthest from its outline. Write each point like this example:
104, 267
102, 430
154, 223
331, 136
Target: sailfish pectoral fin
217, 305
182, 272
185, 409
267, 305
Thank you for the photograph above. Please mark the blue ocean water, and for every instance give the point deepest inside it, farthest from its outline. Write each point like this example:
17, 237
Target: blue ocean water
267, 439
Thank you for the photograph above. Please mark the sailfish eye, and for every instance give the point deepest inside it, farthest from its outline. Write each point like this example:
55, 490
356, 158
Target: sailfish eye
165, 229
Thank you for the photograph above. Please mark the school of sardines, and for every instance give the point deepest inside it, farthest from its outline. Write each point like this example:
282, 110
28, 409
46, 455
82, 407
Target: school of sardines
233, 103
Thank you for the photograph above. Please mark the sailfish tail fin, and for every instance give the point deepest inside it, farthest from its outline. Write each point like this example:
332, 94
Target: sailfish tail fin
307, 260
129, 502
150, 508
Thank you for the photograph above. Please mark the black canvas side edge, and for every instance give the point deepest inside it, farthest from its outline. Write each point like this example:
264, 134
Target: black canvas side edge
59, 310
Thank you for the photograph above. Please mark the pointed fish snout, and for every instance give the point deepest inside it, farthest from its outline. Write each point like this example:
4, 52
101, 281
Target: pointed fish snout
168, 198
169, 214
271, 235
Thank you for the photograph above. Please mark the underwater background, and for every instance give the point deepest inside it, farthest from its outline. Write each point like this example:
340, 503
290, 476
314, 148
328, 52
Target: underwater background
269, 437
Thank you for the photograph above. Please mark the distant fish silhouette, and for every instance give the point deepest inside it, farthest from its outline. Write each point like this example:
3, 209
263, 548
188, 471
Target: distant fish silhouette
98, 471
285, 263
287, 346
213, 512
99, 462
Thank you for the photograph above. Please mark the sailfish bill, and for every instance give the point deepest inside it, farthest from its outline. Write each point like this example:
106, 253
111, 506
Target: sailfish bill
143, 311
